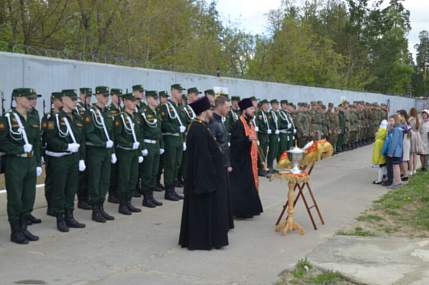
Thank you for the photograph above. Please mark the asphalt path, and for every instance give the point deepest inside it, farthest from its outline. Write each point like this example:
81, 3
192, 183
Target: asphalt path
143, 248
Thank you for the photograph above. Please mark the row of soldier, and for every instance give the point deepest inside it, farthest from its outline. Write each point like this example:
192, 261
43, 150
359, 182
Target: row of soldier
123, 148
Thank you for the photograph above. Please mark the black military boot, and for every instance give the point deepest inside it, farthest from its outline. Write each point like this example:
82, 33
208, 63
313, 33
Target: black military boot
138, 190
96, 214
131, 207
27, 234
61, 223
33, 220
113, 198
170, 195
83, 202
71, 222
123, 208
103, 213
49, 210
147, 202
159, 187
180, 197
179, 181
154, 200
17, 236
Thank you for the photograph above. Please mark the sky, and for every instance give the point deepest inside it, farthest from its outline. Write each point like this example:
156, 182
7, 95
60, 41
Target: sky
252, 15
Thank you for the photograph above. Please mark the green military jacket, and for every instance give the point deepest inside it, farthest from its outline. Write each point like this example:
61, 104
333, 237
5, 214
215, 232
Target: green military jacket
190, 115
114, 110
262, 122
283, 120
273, 121
342, 121
173, 116
151, 126
94, 132
125, 123
12, 142
347, 118
302, 124
57, 135
325, 123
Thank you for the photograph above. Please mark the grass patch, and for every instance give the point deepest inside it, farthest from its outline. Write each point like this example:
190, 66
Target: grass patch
305, 274
403, 212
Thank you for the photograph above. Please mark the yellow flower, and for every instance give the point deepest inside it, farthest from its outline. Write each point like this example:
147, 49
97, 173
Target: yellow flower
409, 198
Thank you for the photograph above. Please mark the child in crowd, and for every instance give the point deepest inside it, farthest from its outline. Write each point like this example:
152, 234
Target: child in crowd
394, 152
378, 159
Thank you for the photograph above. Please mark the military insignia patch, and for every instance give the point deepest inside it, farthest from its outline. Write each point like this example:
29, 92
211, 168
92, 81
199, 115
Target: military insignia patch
163, 114
88, 119
79, 125
13, 120
44, 125
117, 123
35, 126
15, 126
2, 126
51, 125
63, 124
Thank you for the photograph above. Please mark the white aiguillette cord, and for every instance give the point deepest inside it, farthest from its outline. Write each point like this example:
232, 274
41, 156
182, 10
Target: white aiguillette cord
102, 123
69, 129
175, 112
21, 127
132, 126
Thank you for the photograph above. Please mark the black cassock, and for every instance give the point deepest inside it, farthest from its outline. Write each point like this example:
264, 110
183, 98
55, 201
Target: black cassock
245, 198
205, 207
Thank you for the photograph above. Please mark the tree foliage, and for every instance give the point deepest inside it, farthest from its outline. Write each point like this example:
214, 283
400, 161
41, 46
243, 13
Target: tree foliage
346, 44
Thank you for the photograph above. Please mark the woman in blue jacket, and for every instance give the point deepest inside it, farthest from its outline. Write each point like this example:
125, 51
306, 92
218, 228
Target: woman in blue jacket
394, 152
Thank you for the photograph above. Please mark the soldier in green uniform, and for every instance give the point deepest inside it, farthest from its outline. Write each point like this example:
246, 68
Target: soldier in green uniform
347, 119
163, 98
114, 108
332, 129
234, 112
210, 95
320, 115
66, 151
314, 124
57, 103
342, 123
353, 126
138, 92
264, 131
273, 121
21, 142
82, 190
173, 128
286, 129
303, 125
337, 130
127, 136
152, 139
100, 152
325, 122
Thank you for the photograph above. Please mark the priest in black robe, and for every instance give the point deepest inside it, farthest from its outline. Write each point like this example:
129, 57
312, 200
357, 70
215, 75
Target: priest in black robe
244, 162
205, 207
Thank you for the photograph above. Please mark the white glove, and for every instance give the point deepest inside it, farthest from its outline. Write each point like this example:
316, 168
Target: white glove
109, 144
293, 138
182, 129
184, 146
28, 148
279, 139
42, 160
269, 132
256, 129
161, 151
145, 152
289, 126
229, 144
294, 131
82, 165
38, 170
73, 147
258, 142
114, 159
277, 132
136, 145
141, 159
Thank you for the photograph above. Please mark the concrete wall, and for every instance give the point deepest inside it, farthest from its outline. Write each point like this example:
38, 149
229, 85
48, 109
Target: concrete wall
47, 75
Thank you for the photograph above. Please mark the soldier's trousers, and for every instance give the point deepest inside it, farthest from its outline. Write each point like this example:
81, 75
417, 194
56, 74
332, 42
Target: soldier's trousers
273, 149
150, 167
20, 178
48, 179
82, 188
263, 143
114, 174
128, 172
346, 137
340, 142
98, 164
182, 169
160, 168
65, 179
302, 141
173, 159
283, 145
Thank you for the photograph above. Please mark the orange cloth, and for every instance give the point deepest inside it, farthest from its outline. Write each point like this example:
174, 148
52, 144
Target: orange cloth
253, 150
295, 178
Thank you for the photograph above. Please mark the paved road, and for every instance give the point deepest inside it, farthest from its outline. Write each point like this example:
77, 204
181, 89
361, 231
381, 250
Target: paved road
142, 248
